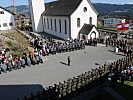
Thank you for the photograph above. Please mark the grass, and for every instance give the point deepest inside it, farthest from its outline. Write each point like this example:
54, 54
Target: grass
18, 37
126, 91
16, 47
10, 45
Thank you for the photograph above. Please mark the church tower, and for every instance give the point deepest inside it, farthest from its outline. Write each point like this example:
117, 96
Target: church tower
36, 9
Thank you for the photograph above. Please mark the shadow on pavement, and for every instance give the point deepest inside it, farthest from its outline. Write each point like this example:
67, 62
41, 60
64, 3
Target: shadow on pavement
97, 64
120, 54
12, 92
111, 50
64, 63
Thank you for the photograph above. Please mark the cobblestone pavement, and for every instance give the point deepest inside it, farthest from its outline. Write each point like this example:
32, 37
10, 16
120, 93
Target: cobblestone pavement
54, 69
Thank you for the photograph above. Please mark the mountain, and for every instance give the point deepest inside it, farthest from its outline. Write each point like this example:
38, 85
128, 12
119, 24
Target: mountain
102, 9
114, 9
20, 9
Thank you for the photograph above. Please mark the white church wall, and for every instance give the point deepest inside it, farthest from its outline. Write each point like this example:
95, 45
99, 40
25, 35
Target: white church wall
64, 32
84, 16
6, 18
36, 9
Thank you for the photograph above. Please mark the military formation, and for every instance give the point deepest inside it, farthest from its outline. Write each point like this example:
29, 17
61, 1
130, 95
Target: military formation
73, 86
53, 47
84, 82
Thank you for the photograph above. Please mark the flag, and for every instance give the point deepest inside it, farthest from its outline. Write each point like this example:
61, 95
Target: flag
119, 26
126, 25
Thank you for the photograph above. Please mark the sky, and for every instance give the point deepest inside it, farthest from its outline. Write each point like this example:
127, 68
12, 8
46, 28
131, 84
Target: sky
6, 3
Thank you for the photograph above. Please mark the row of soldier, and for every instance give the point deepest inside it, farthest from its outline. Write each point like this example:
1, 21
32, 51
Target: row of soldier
123, 45
53, 47
121, 64
74, 86
122, 70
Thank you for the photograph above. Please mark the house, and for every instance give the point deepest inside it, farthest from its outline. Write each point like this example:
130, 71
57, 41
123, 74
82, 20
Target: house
112, 22
6, 19
21, 20
64, 18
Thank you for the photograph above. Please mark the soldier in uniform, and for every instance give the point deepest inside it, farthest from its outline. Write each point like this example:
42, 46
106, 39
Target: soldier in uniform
68, 59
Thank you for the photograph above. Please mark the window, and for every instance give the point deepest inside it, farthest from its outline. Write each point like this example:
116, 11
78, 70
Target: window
10, 24
90, 21
55, 24
48, 23
78, 22
44, 23
85, 9
65, 27
4, 24
60, 25
51, 24
1, 12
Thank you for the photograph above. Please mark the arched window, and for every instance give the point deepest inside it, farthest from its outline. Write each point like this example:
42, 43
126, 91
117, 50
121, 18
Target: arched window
60, 25
78, 22
55, 24
44, 23
65, 26
90, 20
48, 23
51, 24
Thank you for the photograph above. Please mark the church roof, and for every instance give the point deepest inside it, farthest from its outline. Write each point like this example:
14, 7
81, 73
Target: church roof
86, 29
7, 10
63, 7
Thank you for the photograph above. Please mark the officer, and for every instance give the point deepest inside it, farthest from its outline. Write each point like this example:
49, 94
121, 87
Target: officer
68, 59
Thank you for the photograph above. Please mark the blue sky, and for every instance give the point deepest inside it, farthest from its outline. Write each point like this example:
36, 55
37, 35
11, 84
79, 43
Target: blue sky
5, 3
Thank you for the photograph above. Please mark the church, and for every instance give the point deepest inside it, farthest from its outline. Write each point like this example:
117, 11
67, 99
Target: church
64, 18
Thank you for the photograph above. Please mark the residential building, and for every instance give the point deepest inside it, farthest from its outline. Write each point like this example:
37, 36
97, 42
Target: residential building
6, 19
112, 22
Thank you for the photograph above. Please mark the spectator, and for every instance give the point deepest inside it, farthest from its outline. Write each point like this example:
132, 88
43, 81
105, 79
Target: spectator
28, 61
4, 67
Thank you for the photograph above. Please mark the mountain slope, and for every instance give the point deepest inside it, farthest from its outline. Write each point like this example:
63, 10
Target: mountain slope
103, 9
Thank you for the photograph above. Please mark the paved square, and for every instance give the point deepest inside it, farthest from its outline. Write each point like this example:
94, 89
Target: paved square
54, 69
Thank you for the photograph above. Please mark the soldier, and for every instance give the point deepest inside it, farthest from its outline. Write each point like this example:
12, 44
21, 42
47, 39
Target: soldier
79, 85
68, 59
69, 89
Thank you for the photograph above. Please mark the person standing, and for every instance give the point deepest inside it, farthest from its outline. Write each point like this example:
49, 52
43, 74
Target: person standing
68, 59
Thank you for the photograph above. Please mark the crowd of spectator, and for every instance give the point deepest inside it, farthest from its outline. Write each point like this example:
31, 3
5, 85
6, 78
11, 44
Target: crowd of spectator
41, 48
14, 62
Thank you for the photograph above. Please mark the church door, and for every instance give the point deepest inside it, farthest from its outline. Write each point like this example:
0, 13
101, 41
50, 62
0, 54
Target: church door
83, 37
93, 35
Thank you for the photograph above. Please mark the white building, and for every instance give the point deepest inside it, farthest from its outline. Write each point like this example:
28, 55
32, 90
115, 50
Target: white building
6, 19
64, 18
111, 22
